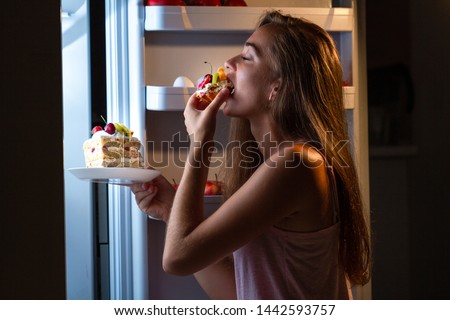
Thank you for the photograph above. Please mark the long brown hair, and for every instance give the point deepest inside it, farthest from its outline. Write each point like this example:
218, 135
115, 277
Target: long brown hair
309, 107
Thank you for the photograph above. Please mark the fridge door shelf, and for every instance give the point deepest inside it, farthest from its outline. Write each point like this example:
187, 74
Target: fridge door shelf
235, 19
160, 98
212, 203
349, 97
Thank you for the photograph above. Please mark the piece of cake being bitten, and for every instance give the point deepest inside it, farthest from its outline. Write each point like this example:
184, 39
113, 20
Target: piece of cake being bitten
113, 146
211, 85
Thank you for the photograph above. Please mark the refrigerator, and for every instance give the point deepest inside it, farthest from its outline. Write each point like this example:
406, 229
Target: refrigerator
113, 250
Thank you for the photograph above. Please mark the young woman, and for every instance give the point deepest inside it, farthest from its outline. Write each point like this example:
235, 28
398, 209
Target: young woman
292, 225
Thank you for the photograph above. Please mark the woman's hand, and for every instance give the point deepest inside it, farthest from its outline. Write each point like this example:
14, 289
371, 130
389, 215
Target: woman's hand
201, 124
155, 198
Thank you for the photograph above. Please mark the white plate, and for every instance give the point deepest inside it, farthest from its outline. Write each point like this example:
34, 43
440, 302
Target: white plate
123, 176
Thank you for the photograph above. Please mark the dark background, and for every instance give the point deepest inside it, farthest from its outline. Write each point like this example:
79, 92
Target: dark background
406, 35
32, 203
409, 186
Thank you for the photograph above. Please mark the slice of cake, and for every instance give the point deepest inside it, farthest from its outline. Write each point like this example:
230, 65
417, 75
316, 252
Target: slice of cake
211, 85
113, 146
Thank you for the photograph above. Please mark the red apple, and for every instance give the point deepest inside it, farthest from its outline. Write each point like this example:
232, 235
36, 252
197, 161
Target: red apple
214, 3
212, 188
236, 3
175, 184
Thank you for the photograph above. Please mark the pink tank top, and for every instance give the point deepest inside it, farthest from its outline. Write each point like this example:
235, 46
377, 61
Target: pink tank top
287, 265
282, 264
290, 265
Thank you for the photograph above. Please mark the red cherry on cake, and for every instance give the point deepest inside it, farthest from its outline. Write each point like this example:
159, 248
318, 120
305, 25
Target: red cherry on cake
206, 79
110, 128
96, 129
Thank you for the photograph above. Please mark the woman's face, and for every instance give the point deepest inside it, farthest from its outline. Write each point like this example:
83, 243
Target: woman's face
252, 75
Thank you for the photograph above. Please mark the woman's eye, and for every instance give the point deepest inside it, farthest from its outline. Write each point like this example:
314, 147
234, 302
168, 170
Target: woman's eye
244, 58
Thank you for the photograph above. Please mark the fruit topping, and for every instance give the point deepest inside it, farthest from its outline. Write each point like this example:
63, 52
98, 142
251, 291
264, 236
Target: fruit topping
103, 119
96, 129
126, 131
110, 128
210, 66
215, 78
206, 80
119, 127
222, 75
122, 129
212, 78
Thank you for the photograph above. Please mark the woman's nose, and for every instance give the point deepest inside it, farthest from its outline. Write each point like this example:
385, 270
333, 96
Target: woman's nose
229, 64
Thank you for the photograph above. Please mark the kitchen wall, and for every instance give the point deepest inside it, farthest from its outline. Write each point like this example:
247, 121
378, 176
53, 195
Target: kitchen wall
409, 171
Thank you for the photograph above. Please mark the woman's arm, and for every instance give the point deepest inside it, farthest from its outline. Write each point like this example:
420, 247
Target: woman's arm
218, 280
187, 210
278, 188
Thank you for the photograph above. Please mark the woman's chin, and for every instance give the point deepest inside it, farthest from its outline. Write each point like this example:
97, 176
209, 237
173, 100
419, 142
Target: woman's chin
229, 110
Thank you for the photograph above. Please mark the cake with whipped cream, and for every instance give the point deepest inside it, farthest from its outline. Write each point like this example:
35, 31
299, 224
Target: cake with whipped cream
211, 85
112, 146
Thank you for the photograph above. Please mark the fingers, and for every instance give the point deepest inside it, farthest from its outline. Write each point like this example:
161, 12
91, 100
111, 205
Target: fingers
195, 103
139, 187
201, 123
197, 109
158, 183
218, 100
143, 189
144, 194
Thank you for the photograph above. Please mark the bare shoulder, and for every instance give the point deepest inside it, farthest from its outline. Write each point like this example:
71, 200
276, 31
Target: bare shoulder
297, 156
303, 171
297, 169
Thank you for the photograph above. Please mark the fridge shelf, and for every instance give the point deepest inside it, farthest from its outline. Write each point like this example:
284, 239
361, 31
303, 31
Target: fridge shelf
349, 97
235, 19
161, 98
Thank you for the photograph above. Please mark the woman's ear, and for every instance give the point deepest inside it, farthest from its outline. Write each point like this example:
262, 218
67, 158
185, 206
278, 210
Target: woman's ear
274, 90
